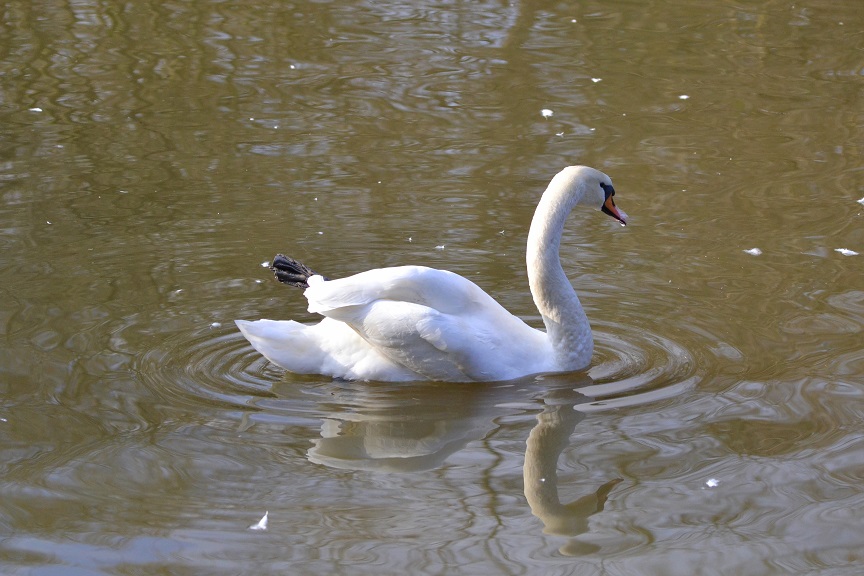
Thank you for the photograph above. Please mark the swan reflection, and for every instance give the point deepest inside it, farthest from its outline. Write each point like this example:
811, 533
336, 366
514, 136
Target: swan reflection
545, 443
399, 428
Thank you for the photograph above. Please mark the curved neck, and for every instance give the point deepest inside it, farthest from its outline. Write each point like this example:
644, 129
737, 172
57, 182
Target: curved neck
566, 323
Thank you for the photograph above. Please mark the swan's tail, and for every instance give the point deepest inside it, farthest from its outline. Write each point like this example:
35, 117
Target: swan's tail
291, 272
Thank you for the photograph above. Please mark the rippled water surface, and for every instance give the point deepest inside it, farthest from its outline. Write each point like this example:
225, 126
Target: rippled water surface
153, 155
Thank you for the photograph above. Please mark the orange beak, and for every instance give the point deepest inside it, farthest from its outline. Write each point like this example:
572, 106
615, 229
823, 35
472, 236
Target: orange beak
610, 209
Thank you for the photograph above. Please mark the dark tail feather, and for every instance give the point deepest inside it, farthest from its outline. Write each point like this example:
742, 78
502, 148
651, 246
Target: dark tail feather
291, 272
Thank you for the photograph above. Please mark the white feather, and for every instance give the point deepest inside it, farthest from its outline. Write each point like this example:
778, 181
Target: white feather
261, 524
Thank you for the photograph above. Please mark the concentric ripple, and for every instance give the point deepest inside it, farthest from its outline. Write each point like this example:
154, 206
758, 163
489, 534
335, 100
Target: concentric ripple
634, 366
215, 364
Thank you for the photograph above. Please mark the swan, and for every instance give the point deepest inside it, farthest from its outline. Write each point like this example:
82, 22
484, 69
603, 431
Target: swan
416, 323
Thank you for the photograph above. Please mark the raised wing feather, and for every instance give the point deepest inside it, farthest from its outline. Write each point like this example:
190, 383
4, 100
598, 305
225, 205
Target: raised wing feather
439, 289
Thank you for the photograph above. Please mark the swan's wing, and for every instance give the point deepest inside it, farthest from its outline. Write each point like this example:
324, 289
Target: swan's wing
438, 289
434, 323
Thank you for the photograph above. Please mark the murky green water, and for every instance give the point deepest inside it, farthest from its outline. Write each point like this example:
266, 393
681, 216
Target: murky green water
154, 154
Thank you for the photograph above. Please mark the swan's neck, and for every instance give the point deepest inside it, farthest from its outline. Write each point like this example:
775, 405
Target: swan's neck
566, 323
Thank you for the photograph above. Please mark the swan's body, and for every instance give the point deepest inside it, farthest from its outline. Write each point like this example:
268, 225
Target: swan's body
417, 323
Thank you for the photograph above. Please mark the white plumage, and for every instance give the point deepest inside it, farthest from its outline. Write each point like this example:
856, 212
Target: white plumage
417, 323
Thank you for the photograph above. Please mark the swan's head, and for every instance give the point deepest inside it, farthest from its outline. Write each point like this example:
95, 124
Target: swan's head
590, 187
609, 203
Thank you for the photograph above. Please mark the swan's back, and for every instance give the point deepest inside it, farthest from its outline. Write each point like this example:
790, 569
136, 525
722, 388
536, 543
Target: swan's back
435, 323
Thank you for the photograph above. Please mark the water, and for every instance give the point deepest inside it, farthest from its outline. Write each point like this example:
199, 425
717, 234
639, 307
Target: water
154, 155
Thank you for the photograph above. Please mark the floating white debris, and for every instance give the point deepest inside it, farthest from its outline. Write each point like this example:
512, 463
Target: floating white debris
35, 109
262, 524
3, 420
559, 134
215, 324
683, 97
712, 483
265, 264
258, 281
846, 252
546, 113
48, 222
410, 239
595, 80
320, 232
861, 201
754, 251
291, 66
441, 247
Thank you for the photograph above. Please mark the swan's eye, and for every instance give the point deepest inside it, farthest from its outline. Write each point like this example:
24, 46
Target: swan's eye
607, 189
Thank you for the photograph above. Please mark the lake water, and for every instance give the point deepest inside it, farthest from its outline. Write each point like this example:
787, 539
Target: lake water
154, 155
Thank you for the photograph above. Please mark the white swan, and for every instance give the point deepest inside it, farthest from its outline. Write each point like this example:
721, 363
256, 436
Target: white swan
417, 323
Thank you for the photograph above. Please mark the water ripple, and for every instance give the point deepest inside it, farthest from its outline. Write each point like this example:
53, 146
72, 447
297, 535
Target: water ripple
635, 366
215, 364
